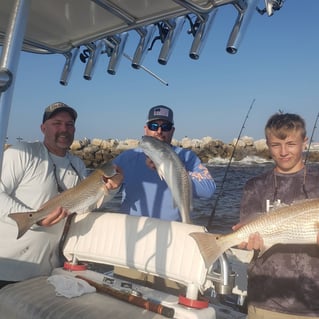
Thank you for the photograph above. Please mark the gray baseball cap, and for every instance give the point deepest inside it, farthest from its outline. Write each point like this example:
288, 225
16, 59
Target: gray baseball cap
58, 107
160, 112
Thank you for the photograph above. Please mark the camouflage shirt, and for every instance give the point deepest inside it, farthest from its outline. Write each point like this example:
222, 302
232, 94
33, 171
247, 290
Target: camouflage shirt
286, 278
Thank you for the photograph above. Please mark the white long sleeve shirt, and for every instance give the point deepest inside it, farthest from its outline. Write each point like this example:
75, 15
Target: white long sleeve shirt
27, 182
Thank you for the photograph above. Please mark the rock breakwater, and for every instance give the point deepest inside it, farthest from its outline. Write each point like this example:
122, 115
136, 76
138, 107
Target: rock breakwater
96, 151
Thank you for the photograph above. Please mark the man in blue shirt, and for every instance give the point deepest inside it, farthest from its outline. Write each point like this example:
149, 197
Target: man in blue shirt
144, 193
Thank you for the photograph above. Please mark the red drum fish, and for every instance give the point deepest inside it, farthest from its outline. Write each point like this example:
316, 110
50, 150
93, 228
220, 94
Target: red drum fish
87, 195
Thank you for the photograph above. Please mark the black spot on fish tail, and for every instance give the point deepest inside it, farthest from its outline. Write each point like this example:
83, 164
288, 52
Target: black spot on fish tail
24, 222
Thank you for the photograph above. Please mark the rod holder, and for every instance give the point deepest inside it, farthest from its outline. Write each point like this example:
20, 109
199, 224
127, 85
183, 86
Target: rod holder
67, 69
146, 35
201, 34
245, 10
224, 278
94, 53
119, 43
175, 27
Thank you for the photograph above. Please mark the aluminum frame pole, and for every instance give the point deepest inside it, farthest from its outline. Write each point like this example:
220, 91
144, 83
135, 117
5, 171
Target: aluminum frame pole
9, 62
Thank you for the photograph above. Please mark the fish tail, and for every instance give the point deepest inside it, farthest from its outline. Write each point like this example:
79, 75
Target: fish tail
211, 246
23, 222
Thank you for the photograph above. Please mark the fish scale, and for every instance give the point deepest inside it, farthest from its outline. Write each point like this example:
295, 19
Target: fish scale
81, 200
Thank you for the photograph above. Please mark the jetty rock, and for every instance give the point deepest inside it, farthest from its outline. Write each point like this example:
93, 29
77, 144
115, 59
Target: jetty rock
96, 151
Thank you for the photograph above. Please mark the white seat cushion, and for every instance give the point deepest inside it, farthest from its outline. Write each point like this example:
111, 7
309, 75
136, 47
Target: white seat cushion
162, 248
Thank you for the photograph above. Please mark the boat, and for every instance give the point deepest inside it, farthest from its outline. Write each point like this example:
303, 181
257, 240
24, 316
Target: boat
105, 242
153, 247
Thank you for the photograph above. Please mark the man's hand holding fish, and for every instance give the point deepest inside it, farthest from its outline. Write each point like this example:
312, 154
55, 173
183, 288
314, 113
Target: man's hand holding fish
114, 182
54, 217
254, 242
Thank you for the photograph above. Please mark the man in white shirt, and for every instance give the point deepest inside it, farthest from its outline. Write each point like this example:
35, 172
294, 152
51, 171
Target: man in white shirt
32, 173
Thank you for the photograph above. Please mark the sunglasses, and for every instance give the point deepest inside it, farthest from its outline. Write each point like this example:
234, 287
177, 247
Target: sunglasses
166, 127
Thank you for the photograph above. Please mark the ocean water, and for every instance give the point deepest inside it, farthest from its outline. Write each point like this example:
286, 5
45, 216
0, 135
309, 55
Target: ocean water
224, 206
225, 203
230, 179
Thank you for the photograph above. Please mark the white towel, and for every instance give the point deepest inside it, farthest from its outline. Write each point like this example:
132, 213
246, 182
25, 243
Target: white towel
70, 287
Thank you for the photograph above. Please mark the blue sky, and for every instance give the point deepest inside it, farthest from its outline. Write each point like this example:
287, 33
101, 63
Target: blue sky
276, 64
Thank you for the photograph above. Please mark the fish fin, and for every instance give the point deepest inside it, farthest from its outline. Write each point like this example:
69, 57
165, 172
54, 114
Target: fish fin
23, 222
160, 172
209, 246
100, 202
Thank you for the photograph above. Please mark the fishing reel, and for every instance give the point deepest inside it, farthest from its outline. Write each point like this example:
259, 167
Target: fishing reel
271, 6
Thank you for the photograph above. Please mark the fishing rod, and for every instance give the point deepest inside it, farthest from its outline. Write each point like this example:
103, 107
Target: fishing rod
131, 298
311, 139
227, 168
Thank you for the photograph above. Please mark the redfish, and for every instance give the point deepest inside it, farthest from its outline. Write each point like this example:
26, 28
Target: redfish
297, 223
170, 168
87, 195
